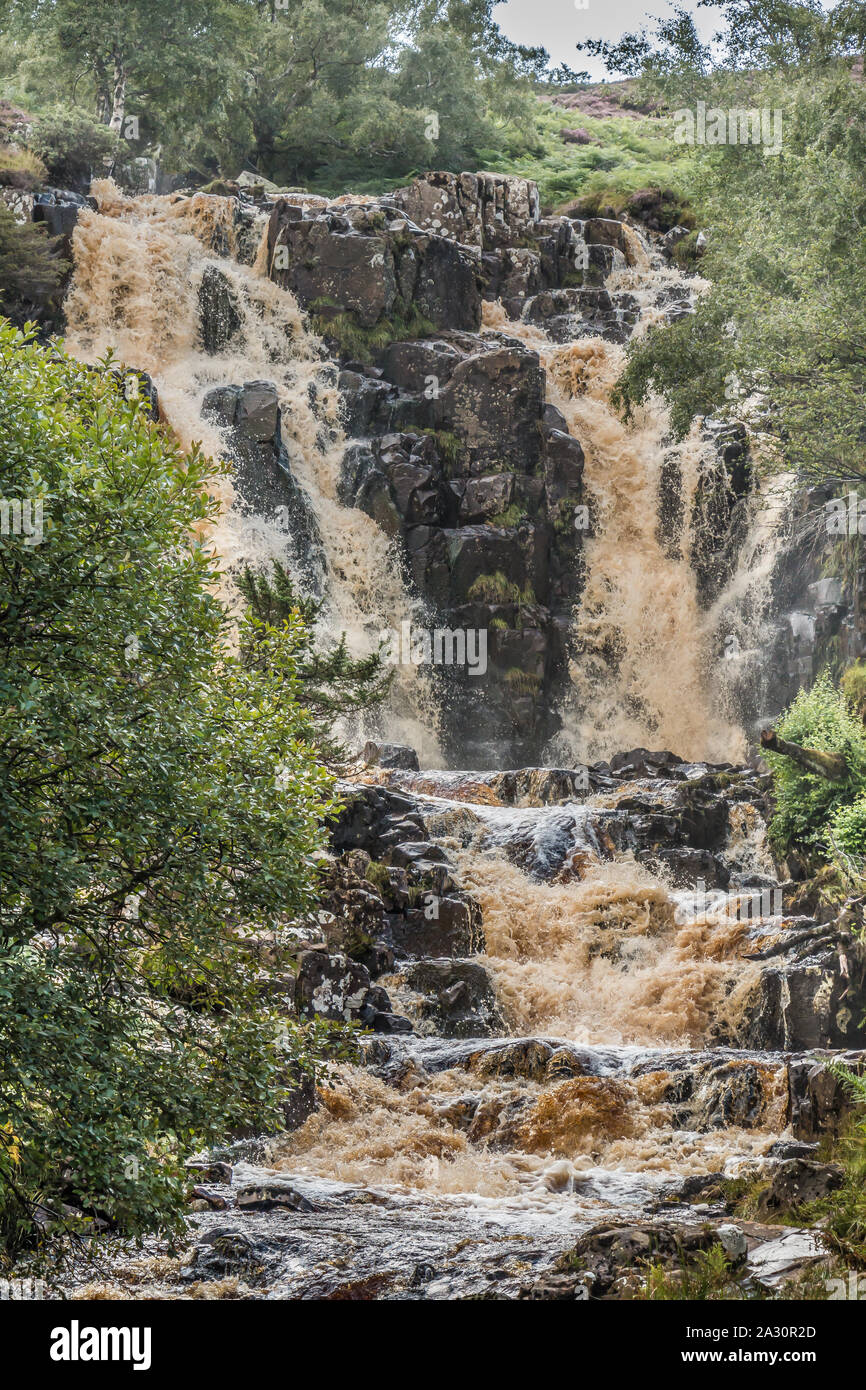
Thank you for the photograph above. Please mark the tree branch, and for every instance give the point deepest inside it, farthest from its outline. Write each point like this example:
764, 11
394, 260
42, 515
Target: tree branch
832, 766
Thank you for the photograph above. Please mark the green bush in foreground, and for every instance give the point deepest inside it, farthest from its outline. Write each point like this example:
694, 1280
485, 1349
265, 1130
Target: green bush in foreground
156, 795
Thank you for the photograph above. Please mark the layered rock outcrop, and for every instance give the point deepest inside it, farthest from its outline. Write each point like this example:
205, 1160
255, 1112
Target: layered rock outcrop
453, 450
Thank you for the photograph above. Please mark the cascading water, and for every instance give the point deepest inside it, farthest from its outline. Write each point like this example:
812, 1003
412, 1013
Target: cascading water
646, 668
139, 266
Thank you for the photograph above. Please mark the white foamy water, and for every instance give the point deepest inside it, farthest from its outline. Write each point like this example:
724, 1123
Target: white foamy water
139, 265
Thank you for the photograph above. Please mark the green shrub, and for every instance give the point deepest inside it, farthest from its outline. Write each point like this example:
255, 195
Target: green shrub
360, 342
705, 1275
806, 803
155, 793
378, 875
73, 146
848, 828
853, 685
497, 588
843, 1213
20, 168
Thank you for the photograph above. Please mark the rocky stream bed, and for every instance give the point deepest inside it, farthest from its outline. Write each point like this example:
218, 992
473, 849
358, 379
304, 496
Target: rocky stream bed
468, 1153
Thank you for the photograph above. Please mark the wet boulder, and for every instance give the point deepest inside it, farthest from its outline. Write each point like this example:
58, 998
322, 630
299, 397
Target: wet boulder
366, 403
563, 469
798, 1181
819, 1101
457, 997
688, 866
331, 986
220, 1252
250, 415
301, 1101
527, 1058
219, 312
729, 1095
441, 925
370, 816
606, 231
809, 993
272, 1196
398, 755
59, 209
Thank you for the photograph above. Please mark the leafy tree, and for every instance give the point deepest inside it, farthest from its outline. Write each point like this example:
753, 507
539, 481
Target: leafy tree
74, 146
157, 795
300, 90
125, 53
331, 683
784, 324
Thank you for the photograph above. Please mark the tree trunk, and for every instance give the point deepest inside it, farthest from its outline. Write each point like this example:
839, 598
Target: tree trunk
832, 766
118, 100
103, 95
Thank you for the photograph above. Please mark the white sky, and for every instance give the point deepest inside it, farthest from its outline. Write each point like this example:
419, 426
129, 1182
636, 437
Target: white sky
558, 25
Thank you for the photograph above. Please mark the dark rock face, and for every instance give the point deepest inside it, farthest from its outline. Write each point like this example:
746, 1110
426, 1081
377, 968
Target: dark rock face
719, 518
454, 452
804, 996
482, 497
584, 312
375, 267
59, 209
355, 906
251, 415
816, 613
819, 1102
457, 997
219, 315
448, 924
301, 1102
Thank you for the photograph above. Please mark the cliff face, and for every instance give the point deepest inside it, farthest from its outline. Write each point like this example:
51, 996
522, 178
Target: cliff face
453, 314
453, 449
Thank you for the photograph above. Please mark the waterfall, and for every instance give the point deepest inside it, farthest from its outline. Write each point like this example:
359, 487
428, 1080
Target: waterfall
648, 665
138, 273
647, 660
567, 1027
